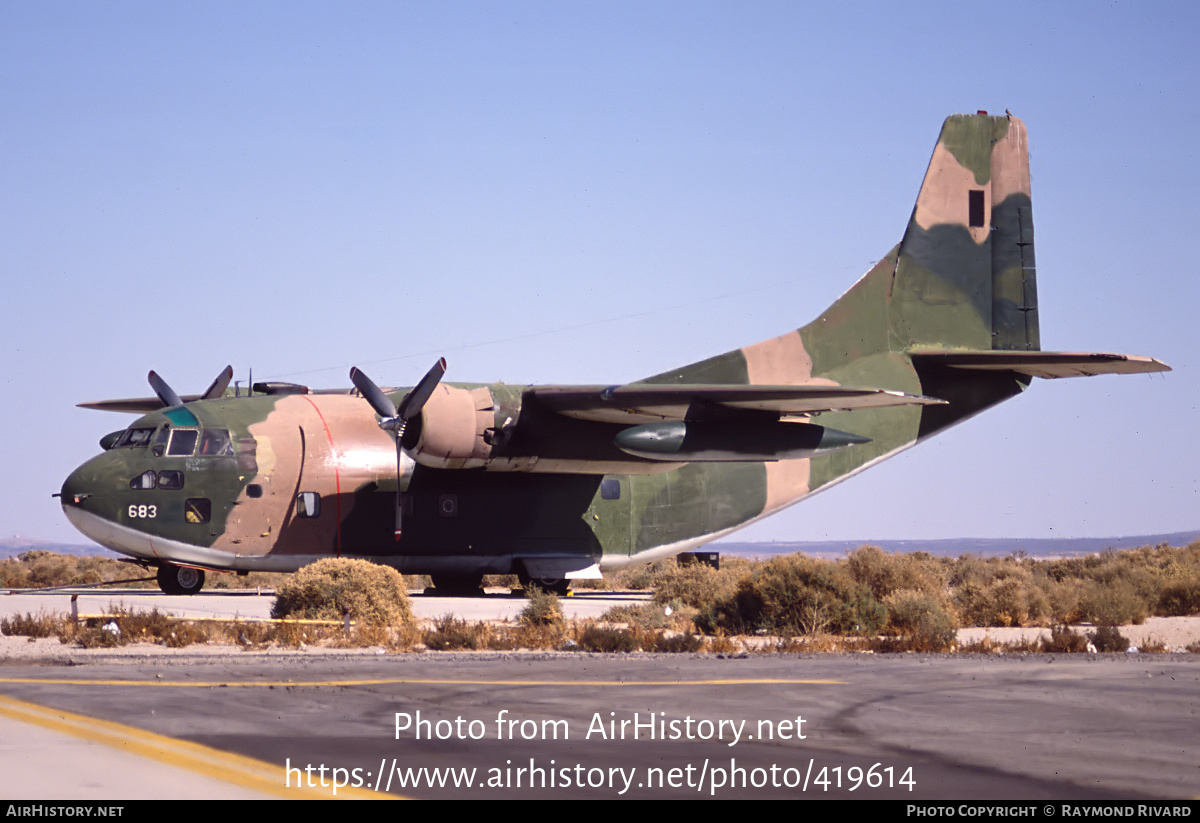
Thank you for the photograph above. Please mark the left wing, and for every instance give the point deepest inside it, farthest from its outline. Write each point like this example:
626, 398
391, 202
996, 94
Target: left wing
636, 403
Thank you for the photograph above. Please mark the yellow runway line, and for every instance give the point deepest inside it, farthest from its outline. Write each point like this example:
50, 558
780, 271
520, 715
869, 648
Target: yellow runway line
235, 769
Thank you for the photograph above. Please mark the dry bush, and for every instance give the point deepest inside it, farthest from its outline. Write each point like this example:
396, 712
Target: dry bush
1153, 645
1115, 604
540, 624
543, 608
675, 642
366, 635
723, 645
329, 588
672, 616
1006, 600
1064, 640
988, 645
598, 638
640, 577
695, 584
1180, 599
1108, 639
452, 633
919, 620
793, 595
885, 574
120, 627
34, 625
40, 569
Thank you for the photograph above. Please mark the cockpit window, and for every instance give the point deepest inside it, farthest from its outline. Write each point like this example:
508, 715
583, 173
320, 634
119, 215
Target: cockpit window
216, 442
132, 438
159, 447
183, 442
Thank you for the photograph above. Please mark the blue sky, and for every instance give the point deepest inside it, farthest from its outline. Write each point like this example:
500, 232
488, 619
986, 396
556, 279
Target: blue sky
589, 193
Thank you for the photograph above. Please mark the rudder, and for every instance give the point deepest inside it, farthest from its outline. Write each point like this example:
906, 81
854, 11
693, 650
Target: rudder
965, 275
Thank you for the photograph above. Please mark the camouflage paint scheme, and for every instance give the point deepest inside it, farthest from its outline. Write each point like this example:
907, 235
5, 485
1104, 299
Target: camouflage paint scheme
500, 478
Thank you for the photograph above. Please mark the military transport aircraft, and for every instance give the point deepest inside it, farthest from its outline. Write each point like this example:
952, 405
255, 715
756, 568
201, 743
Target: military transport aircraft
458, 480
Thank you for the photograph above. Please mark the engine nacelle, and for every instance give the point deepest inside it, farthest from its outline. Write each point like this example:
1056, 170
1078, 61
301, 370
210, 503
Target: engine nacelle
449, 433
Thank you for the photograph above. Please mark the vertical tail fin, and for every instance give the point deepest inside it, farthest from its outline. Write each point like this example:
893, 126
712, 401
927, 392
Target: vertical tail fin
961, 279
965, 276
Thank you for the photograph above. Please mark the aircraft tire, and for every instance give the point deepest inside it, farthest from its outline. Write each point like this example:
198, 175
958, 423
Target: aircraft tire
554, 585
174, 579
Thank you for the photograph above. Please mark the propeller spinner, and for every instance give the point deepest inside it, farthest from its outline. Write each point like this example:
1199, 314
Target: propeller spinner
395, 418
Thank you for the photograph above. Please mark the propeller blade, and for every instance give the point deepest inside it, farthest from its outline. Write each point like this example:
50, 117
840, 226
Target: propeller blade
394, 419
218, 387
415, 400
165, 393
374, 395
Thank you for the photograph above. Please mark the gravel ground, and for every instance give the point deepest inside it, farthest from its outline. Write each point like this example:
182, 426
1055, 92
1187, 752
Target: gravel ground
1176, 633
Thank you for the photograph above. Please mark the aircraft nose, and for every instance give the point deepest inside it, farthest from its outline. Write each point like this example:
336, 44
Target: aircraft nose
84, 487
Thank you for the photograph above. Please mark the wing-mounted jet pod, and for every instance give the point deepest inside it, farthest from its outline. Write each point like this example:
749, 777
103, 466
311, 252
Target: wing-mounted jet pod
458, 480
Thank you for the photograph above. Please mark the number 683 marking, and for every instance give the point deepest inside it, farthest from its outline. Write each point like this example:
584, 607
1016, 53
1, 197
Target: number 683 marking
143, 511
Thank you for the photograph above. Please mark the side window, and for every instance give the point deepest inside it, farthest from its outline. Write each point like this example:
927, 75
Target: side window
610, 489
216, 442
145, 480
170, 480
308, 504
183, 442
197, 510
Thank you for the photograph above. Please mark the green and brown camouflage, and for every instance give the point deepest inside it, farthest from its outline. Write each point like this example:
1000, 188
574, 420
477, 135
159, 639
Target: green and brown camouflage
560, 482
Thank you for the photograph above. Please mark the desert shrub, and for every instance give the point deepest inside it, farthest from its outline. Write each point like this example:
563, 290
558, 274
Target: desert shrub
596, 638
676, 643
33, 625
1063, 639
728, 645
885, 574
675, 616
640, 577
920, 620
1180, 599
1006, 600
540, 623
694, 584
331, 587
543, 608
1153, 645
450, 632
796, 595
1115, 604
988, 645
1108, 639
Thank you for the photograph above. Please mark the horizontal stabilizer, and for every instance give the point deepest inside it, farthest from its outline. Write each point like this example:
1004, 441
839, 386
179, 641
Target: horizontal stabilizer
1047, 364
648, 403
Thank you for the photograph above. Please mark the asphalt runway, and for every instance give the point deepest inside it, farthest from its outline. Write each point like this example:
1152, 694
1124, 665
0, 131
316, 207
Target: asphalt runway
126, 724
581, 726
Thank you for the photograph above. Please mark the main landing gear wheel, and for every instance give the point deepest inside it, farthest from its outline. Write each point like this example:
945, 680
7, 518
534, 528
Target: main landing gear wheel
180, 579
554, 585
